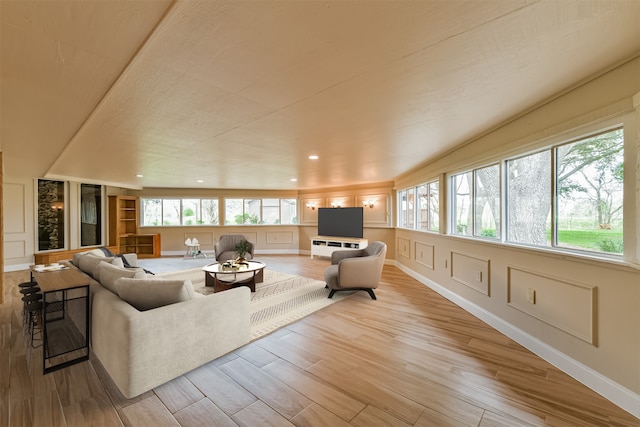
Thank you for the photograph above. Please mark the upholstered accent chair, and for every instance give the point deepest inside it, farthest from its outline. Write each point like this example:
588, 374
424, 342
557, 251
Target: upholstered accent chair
225, 248
356, 270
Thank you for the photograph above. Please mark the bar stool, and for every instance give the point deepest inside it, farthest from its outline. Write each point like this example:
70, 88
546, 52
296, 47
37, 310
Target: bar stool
30, 290
27, 291
29, 298
33, 311
27, 284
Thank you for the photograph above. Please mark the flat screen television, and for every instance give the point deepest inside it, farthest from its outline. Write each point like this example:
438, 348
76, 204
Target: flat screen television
340, 222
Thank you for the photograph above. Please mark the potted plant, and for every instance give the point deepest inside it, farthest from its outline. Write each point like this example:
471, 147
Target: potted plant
242, 247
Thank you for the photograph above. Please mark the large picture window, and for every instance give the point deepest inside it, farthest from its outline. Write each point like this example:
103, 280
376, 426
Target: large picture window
200, 211
176, 212
582, 209
589, 193
260, 211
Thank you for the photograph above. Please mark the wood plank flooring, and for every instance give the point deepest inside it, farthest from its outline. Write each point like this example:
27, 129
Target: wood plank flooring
411, 358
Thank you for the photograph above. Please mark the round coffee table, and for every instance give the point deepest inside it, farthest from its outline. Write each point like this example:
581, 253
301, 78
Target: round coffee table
222, 278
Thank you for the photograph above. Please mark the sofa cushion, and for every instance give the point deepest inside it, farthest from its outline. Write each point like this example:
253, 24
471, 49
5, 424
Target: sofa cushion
89, 264
109, 273
95, 252
147, 294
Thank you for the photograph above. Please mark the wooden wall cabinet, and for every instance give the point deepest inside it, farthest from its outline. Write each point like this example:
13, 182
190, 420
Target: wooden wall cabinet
123, 228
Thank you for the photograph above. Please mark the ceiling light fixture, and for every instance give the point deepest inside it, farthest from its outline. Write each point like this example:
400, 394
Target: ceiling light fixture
200, 181
313, 157
139, 175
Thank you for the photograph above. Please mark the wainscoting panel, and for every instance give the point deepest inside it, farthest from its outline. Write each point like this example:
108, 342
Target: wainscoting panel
404, 247
279, 237
14, 220
471, 271
206, 239
570, 307
376, 215
309, 215
14, 250
424, 254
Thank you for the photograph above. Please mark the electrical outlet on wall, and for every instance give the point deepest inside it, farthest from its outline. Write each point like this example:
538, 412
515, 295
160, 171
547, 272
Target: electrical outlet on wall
531, 295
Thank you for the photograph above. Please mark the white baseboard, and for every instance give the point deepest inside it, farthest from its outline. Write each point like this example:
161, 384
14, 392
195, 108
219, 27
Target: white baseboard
17, 267
609, 389
210, 254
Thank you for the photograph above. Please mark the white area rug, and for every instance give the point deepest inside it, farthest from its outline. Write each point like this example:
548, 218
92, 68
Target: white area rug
279, 300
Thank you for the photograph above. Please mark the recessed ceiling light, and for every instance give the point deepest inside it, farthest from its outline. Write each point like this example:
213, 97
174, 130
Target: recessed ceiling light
313, 157
293, 179
139, 175
200, 181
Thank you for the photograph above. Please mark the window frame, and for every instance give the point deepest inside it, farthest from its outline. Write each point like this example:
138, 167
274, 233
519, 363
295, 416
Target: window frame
551, 145
221, 203
181, 208
408, 218
472, 228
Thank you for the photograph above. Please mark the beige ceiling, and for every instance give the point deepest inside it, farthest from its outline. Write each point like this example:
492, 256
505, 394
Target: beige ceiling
239, 93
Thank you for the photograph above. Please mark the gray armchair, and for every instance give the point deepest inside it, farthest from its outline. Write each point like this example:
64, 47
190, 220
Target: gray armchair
225, 248
356, 270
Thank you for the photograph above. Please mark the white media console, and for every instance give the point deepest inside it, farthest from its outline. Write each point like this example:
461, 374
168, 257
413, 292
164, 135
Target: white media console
325, 246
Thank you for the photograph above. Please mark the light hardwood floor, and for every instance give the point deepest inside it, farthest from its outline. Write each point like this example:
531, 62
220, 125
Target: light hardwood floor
411, 358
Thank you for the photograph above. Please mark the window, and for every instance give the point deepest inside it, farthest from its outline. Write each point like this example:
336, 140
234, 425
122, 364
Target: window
405, 208
151, 212
585, 210
462, 214
288, 211
171, 211
51, 200
476, 206
419, 207
175, 212
529, 199
428, 206
486, 190
260, 211
90, 215
589, 193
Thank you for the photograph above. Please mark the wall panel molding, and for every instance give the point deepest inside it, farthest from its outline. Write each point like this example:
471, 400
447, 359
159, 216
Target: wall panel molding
404, 247
425, 254
565, 305
279, 237
471, 271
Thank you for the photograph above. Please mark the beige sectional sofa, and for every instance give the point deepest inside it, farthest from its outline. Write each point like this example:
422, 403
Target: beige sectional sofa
142, 349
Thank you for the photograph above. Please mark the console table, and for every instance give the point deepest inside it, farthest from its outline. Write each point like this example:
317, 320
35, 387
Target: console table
65, 317
325, 246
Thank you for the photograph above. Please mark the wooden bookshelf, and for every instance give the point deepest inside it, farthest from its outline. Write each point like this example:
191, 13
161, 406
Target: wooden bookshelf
123, 228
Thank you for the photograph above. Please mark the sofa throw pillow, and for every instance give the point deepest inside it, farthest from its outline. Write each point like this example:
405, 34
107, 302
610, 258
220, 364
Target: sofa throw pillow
76, 257
147, 294
116, 262
109, 273
89, 264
